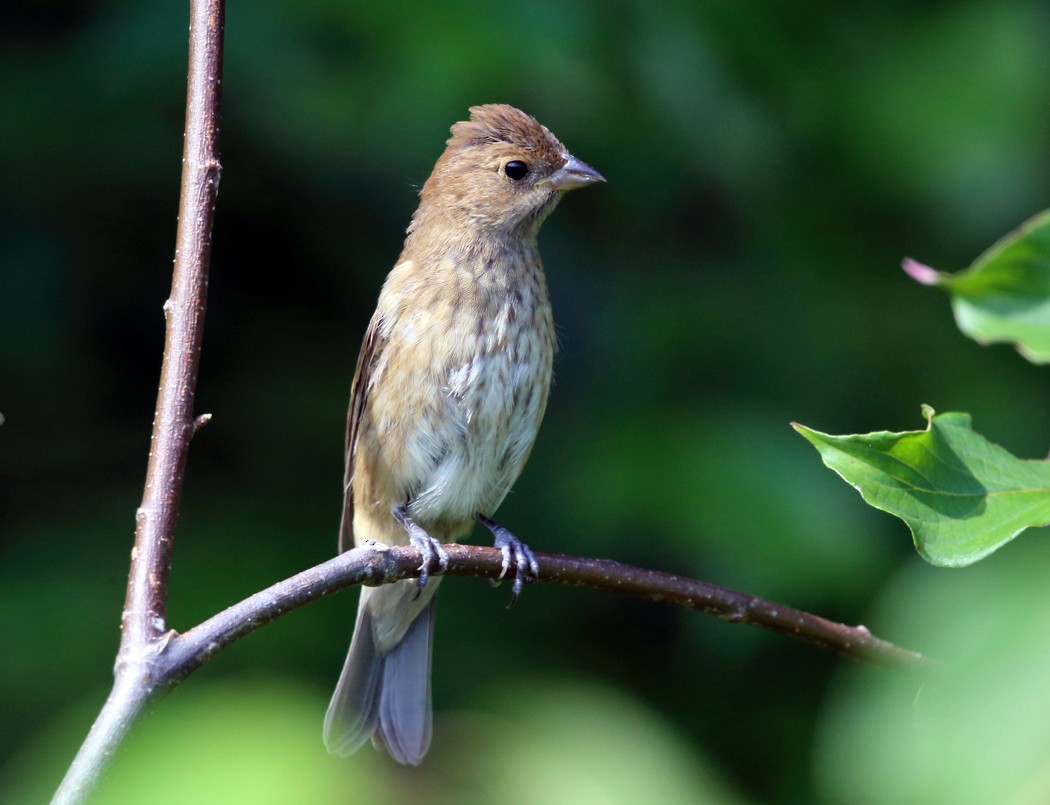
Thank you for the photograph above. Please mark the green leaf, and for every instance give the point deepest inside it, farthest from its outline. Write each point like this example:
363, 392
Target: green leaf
1005, 295
962, 496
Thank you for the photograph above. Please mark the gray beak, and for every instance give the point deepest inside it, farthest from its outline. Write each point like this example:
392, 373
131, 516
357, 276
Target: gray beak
573, 174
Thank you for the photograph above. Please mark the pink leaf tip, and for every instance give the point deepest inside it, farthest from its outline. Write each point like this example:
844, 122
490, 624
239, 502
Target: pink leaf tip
920, 272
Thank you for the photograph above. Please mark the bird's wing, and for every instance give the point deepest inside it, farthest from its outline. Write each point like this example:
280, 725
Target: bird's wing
371, 350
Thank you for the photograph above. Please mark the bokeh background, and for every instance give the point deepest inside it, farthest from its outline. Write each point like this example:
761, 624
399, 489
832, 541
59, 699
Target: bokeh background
768, 166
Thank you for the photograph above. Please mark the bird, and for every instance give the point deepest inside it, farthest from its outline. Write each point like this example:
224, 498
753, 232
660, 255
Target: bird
451, 383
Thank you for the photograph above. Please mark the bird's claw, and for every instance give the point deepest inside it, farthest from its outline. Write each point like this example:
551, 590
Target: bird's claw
515, 553
433, 551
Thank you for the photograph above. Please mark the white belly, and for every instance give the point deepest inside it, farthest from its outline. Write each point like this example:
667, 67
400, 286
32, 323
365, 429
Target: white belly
497, 402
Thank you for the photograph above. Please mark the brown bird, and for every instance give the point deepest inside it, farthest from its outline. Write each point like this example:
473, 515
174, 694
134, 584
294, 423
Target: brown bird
450, 388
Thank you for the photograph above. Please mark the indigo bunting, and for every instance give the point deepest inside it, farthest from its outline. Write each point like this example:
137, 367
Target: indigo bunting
451, 385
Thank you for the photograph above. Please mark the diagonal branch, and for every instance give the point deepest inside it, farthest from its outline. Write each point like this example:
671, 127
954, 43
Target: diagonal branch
382, 564
173, 657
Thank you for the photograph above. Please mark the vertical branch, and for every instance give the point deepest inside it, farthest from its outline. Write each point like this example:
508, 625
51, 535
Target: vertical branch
145, 608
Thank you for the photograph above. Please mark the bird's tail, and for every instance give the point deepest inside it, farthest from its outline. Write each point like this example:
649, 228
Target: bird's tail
384, 690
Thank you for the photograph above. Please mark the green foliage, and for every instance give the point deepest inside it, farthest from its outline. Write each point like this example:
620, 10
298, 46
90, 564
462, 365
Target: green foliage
962, 496
1005, 294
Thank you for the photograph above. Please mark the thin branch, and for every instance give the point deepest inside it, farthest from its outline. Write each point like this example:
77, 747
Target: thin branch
145, 607
380, 564
855, 642
174, 657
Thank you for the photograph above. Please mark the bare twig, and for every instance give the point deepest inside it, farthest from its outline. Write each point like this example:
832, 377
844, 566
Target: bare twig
174, 423
144, 616
176, 656
381, 564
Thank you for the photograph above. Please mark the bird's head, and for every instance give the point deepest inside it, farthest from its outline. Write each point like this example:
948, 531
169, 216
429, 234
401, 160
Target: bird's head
502, 171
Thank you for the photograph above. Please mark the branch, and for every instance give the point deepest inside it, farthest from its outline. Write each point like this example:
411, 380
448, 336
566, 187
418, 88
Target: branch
381, 564
145, 607
174, 424
175, 656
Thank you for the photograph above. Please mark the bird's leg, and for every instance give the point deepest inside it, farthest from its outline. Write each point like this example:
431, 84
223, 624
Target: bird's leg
515, 552
431, 548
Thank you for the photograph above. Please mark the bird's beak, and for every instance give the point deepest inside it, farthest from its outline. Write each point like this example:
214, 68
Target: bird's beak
573, 174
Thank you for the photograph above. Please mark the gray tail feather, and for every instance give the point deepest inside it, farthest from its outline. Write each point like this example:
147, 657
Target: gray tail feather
353, 711
384, 697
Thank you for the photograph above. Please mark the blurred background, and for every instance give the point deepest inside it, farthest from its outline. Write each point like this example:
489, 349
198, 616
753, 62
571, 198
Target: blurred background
768, 166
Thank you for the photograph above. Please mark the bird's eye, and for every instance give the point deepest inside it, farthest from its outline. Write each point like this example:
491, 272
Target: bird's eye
516, 170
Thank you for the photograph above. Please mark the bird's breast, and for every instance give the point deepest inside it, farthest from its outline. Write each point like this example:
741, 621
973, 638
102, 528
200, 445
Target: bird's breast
485, 345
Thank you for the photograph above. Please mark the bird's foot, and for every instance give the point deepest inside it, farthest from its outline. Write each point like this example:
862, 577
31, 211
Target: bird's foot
516, 553
435, 557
